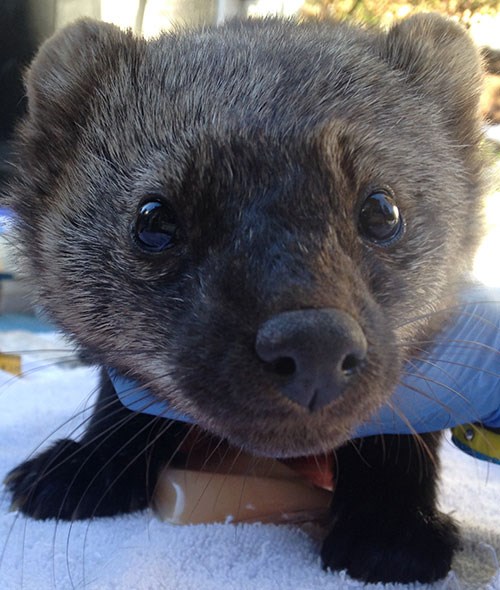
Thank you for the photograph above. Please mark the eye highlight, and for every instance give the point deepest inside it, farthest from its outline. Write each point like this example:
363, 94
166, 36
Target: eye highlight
379, 219
155, 225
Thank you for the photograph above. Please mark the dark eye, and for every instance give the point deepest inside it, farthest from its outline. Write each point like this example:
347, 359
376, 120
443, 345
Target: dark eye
155, 225
379, 219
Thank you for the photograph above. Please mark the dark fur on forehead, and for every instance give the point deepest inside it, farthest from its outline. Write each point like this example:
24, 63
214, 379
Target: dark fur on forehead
226, 82
432, 54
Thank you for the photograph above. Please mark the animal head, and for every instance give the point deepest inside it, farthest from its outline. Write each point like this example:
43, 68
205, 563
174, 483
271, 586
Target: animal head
257, 221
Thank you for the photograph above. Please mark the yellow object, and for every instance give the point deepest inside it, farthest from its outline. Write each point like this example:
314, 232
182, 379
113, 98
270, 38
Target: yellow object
478, 441
10, 363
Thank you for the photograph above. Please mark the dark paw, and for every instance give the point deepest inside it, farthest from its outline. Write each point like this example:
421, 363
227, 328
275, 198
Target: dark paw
391, 548
71, 481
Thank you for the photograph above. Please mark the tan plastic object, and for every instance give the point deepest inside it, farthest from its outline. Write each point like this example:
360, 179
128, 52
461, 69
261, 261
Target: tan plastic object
240, 488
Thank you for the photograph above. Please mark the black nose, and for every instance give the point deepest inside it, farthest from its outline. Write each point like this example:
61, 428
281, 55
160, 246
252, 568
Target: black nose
313, 354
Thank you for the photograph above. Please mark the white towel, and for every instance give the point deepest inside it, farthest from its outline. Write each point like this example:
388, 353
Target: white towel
137, 552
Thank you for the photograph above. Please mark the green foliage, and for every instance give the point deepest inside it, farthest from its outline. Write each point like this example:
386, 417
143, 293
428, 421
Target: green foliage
385, 11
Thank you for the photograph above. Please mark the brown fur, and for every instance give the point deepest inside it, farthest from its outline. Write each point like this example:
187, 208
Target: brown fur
215, 120
265, 137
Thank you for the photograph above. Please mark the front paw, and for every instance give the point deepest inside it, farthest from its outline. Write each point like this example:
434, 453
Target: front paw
72, 481
394, 547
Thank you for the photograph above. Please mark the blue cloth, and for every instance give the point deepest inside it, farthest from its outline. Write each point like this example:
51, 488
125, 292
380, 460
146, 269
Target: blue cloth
457, 381
135, 397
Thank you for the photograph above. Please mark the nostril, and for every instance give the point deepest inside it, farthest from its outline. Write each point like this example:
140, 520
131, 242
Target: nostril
312, 356
284, 366
350, 364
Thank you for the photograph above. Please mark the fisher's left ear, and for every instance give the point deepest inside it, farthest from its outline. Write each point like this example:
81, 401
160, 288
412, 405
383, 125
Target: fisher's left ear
438, 59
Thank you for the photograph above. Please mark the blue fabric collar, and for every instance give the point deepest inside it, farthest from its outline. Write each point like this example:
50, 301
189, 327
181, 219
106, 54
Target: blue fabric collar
137, 398
457, 382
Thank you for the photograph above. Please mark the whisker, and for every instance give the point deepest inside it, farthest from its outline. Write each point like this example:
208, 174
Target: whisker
29, 371
109, 432
111, 429
429, 380
355, 443
458, 307
245, 476
227, 473
421, 444
124, 470
220, 442
434, 361
464, 345
54, 462
209, 481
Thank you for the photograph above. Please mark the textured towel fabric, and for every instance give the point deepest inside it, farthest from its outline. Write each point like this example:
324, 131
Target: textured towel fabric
138, 552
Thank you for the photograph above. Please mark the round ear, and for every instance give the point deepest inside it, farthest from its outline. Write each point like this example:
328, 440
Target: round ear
438, 58
67, 69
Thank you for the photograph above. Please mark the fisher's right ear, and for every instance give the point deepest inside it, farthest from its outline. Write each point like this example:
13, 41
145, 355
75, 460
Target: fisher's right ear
67, 72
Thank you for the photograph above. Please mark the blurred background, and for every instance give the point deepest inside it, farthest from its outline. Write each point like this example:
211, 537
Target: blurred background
24, 24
